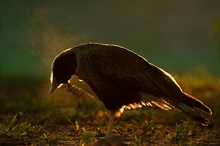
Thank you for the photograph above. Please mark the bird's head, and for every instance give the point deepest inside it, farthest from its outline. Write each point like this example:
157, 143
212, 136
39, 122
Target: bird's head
63, 67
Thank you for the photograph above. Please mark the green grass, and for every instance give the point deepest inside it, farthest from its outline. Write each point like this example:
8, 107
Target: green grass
10, 129
180, 132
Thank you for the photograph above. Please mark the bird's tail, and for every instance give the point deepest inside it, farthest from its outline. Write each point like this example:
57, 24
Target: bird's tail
189, 105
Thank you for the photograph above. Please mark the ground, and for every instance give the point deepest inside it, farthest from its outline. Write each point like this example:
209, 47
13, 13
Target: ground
29, 115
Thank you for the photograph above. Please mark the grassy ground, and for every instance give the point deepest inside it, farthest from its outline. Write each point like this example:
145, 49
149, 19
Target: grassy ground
29, 115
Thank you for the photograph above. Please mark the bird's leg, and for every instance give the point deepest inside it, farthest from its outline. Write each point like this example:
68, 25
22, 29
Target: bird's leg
110, 124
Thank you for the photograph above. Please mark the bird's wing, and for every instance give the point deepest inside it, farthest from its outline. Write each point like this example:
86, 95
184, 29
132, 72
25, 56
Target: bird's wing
132, 70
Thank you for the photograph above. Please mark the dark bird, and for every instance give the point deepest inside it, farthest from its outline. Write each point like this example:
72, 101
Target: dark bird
122, 79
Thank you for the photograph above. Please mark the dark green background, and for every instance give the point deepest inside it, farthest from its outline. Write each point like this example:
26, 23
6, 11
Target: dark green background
174, 35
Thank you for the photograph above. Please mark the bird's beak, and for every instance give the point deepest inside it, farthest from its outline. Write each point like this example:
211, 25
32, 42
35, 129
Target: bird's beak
54, 85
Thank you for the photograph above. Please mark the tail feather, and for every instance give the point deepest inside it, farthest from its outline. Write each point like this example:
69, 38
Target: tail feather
195, 103
185, 103
189, 105
194, 114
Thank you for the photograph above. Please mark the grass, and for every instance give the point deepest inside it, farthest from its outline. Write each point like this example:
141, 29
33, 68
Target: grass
29, 115
16, 131
180, 133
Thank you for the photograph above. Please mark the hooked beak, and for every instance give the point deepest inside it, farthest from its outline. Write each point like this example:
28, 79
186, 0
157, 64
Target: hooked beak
54, 85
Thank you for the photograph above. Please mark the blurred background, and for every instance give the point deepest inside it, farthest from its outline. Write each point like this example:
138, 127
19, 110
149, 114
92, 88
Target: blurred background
178, 36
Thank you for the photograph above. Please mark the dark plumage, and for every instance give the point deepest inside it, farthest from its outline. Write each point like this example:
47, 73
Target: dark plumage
121, 79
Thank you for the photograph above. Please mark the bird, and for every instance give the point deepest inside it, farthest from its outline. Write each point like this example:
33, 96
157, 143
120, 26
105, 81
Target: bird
122, 79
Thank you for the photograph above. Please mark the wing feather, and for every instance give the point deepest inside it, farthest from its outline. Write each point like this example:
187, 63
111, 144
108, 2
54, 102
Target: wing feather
133, 71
